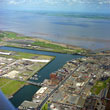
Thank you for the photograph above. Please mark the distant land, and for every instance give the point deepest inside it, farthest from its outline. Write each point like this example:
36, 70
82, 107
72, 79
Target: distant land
66, 14
18, 40
75, 14
86, 30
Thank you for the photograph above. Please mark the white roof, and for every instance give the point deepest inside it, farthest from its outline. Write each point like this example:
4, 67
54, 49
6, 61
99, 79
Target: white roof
4, 53
41, 90
78, 84
34, 60
52, 106
11, 74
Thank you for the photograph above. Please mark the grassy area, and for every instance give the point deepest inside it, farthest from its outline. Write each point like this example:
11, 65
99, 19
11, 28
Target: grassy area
9, 87
57, 48
29, 55
67, 51
3, 81
12, 35
45, 45
99, 86
48, 45
20, 55
45, 107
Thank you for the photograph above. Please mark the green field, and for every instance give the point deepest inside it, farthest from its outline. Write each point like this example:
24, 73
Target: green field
100, 85
48, 45
29, 55
45, 107
9, 87
12, 35
17, 40
20, 55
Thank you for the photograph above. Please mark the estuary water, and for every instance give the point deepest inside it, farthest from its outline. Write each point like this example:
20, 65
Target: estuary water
85, 30
28, 91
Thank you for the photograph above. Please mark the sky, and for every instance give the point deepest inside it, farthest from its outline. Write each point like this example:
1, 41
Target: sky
101, 6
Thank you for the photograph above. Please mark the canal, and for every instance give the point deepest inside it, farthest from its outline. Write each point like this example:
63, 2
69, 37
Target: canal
28, 91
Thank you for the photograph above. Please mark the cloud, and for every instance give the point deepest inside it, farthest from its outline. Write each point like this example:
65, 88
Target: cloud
51, 2
13, 2
68, 5
16, 2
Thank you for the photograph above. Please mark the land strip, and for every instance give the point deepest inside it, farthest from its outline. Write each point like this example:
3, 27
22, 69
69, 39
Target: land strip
17, 40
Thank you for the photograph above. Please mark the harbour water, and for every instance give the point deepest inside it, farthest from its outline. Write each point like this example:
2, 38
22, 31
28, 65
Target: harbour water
84, 30
28, 91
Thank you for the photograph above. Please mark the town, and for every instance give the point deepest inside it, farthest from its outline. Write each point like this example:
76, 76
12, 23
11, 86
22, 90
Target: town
81, 84
17, 68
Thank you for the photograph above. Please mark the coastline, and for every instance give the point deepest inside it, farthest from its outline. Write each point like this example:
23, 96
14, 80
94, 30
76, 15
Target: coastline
13, 39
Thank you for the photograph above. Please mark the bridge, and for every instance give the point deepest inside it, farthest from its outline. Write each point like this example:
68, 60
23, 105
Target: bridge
29, 82
34, 83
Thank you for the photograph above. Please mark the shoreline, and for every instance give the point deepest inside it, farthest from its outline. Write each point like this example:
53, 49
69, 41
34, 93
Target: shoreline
18, 34
40, 50
21, 41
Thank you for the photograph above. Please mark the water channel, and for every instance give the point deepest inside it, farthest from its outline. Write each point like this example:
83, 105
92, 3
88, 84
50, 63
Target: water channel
28, 91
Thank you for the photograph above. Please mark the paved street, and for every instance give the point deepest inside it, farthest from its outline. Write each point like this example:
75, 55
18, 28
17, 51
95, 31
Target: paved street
61, 83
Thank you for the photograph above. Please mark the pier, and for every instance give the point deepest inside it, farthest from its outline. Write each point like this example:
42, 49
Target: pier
29, 82
34, 83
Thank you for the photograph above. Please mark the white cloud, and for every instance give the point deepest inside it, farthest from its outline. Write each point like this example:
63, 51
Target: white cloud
56, 2
15, 2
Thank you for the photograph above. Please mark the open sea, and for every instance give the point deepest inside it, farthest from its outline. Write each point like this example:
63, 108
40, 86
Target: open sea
91, 31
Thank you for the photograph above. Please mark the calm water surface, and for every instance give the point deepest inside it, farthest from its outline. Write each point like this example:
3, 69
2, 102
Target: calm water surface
85, 32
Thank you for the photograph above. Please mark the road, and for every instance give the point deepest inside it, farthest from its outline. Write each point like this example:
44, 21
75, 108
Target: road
61, 83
